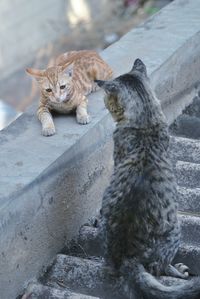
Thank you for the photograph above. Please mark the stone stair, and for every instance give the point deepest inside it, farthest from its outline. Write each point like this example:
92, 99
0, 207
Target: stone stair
41, 291
78, 272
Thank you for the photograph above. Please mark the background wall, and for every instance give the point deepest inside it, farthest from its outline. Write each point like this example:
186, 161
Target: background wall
27, 26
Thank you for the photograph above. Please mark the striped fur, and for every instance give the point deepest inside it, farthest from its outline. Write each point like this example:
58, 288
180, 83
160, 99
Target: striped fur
64, 87
139, 212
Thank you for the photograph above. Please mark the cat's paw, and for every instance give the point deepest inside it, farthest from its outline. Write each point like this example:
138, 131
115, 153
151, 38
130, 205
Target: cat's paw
49, 131
183, 269
83, 119
178, 270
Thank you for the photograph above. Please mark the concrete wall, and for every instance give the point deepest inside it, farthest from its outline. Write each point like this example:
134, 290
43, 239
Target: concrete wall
27, 26
50, 186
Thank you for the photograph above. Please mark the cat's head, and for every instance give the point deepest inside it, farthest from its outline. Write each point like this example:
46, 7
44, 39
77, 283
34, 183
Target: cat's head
130, 98
55, 82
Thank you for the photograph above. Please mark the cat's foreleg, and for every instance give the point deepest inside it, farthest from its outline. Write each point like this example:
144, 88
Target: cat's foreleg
81, 113
45, 117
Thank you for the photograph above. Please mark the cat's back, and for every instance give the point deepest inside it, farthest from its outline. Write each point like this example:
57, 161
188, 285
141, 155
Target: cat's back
73, 56
141, 196
147, 152
83, 60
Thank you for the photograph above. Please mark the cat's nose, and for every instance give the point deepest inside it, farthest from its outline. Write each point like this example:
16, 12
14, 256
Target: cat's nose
57, 96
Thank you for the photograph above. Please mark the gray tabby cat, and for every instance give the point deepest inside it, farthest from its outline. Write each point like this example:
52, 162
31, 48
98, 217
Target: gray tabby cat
139, 213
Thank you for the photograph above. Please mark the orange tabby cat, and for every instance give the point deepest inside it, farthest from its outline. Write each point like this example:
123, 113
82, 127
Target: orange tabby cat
64, 86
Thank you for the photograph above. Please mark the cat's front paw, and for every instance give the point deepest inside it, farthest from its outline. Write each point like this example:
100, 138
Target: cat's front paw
83, 119
49, 131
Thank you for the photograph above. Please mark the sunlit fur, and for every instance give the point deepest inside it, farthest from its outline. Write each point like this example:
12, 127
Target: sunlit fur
64, 86
140, 226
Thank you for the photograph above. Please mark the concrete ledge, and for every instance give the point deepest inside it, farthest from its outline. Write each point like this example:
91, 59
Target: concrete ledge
187, 174
189, 199
40, 291
50, 186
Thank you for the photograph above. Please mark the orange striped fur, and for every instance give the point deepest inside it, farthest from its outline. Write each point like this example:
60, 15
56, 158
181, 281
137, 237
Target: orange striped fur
64, 87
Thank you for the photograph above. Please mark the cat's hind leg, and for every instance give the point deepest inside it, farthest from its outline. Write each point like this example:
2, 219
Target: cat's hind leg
81, 113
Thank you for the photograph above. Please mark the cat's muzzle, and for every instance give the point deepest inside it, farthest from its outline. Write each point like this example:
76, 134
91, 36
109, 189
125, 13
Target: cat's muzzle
67, 98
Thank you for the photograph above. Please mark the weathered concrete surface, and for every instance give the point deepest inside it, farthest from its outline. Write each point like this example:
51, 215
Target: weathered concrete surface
50, 186
187, 126
52, 208
88, 242
189, 199
188, 123
39, 291
93, 277
190, 228
185, 149
27, 26
84, 276
188, 174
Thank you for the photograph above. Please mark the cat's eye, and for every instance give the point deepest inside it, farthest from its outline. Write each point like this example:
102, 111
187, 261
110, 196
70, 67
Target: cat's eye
62, 86
49, 90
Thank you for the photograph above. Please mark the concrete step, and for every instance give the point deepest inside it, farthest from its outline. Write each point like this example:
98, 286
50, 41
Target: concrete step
187, 174
83, 275
39, 291
185, 149
89, 241
188, 122
186, 126
188, 199
92, 278
190, 229
194, 108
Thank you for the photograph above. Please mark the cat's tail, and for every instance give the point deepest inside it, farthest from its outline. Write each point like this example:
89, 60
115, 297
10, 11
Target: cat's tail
148, 287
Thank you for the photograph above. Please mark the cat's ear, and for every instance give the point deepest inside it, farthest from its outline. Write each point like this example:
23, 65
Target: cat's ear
67, 69
108, 86
37, 74
140, 67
